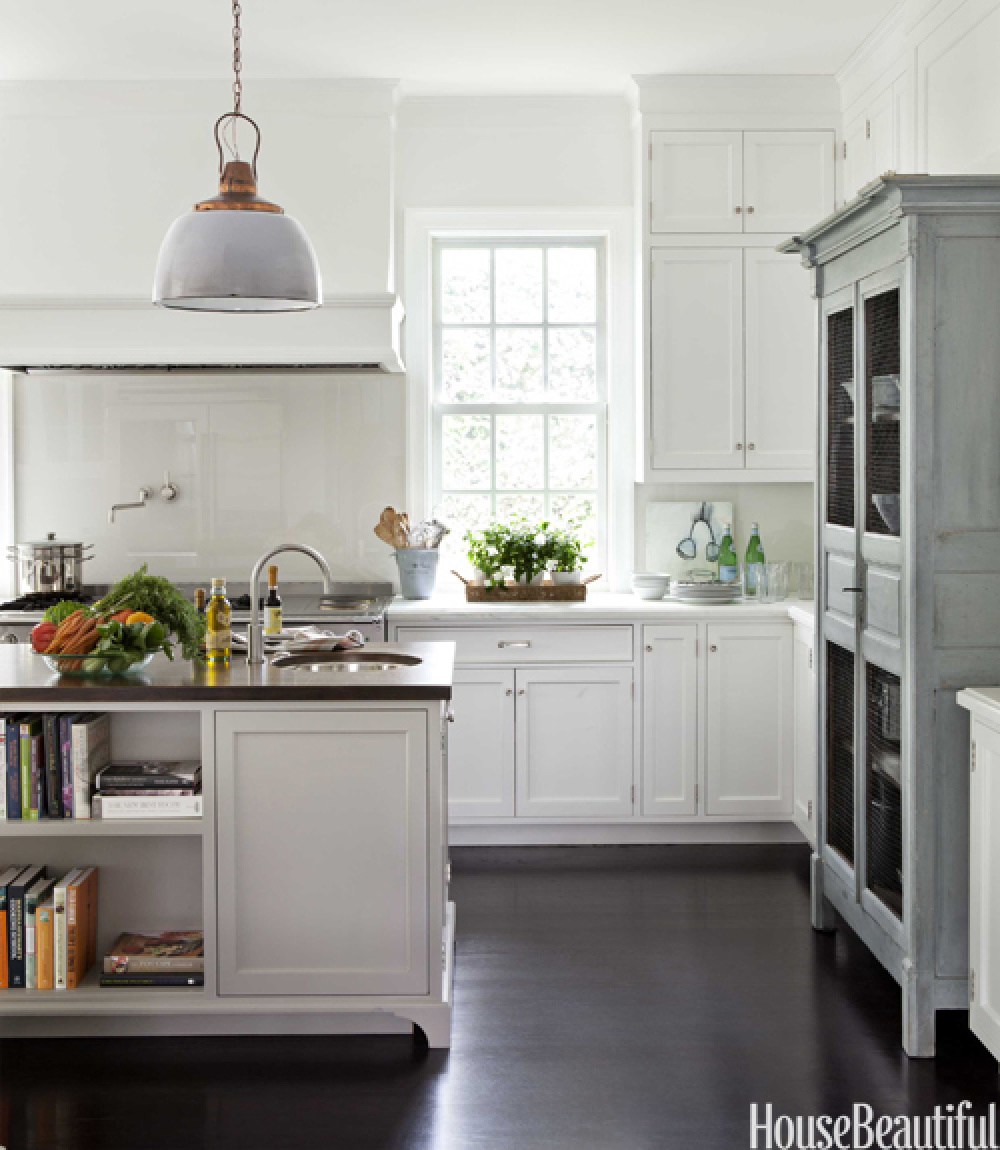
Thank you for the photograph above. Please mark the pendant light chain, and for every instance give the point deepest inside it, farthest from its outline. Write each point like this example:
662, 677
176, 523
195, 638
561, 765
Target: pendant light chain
237, 59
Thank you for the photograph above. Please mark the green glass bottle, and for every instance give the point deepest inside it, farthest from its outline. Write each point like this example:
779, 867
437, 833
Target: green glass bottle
729, 566
755, 560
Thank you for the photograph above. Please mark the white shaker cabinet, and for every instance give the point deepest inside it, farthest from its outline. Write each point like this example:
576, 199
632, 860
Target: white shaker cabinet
696, 182
670, 719
574, 741
696, 358
481, 743
984, 899
322, 852
750, 743
805, 733
718, 182
780, 396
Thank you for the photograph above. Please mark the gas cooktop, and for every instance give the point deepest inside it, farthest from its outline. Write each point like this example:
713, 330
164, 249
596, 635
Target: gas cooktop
40, 600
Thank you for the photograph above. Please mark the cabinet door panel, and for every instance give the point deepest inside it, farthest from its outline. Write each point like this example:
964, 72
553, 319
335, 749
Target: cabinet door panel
574, 741
859, 161
805, 735
481, 744
781, 362
696, 182
322, 852
984, 908
696, 357
670, 719
750, 734
788, 180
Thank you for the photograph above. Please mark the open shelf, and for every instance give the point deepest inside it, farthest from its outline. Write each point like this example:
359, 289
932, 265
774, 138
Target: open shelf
98, 828
92, 998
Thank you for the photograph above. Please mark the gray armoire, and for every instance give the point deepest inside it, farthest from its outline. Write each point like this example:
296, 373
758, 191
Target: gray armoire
908, 565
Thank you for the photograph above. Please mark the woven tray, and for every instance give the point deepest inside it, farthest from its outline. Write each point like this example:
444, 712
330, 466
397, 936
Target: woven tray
525, 593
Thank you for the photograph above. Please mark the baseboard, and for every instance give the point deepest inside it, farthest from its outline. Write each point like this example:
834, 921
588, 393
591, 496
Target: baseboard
577, 834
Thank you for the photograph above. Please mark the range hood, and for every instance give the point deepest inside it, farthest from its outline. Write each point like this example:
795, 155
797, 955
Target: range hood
349, 333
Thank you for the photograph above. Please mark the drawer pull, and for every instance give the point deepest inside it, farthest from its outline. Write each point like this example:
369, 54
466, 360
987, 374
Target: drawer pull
713, 648
514, 643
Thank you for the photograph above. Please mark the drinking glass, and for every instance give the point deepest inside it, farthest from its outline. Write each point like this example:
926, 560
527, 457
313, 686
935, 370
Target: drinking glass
805, 580
776, 583
753, 577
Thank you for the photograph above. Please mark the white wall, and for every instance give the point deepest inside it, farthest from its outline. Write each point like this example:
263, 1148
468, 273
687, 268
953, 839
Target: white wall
258, 460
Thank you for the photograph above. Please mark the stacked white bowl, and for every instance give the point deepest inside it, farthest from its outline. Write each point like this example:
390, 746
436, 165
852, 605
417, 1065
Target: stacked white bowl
649, 584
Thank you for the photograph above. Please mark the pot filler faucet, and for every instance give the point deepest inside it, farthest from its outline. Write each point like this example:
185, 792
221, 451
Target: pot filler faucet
255, 653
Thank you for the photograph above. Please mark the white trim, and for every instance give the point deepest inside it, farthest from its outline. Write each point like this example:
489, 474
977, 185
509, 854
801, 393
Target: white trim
7, 501
539, 832
421, 227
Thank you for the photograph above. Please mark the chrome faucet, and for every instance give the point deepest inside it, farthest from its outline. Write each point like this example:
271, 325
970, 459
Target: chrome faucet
255, 652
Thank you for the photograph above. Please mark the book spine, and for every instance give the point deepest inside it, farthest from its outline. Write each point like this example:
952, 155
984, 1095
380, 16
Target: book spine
44, 943
59, 935
15, 937
66, 764
147, 808
13, 770
3, 763
146, 964
145, 783
146, 793
92, 900
193, 979
73, 940
30, 948
4, 973
25, 771
37, 776
53, 775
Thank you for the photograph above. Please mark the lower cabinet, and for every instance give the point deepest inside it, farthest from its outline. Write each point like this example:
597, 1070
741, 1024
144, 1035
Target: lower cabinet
574, 741
805, 733
749, 741
322, 852
670, 719
481, 743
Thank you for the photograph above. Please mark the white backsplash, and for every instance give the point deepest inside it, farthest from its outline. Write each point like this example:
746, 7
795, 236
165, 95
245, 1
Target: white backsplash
258, 460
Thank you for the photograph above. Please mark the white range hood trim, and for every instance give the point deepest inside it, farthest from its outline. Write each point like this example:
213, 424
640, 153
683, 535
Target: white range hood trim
349, 332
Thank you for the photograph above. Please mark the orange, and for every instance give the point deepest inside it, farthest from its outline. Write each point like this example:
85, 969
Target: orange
140, 617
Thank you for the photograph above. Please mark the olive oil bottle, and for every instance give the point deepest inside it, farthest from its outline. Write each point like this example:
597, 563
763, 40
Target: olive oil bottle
272, 604
219, 634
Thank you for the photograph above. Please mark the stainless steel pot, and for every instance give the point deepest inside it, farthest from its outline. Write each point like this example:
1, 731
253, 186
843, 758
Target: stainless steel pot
52, 565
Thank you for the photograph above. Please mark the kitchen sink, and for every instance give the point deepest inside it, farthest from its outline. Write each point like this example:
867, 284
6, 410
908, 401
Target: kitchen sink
357, 660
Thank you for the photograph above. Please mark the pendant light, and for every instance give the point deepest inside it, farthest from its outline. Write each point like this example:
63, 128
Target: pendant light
237, 251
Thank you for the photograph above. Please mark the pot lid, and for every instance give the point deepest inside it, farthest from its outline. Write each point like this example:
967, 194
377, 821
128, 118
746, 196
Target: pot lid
51, 541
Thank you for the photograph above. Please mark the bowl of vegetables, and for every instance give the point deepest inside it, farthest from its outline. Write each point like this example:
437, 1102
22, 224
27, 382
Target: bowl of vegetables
141, 616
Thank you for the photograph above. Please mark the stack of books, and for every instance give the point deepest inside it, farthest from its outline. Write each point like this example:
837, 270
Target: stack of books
161, 958
49, 927
150, 790
49, 762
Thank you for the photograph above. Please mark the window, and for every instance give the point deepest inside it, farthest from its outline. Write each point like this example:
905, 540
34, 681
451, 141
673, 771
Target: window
519, 391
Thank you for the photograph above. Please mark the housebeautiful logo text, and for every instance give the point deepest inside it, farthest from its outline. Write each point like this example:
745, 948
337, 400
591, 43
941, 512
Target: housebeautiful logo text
951, 1127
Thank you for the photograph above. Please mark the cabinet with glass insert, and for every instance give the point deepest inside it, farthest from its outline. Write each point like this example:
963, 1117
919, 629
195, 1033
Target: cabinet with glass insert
908, 566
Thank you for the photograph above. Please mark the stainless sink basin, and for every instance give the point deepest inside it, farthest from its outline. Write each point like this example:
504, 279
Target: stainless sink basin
347, 661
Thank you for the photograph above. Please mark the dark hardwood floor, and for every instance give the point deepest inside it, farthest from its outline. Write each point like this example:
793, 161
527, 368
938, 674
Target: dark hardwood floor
637, 998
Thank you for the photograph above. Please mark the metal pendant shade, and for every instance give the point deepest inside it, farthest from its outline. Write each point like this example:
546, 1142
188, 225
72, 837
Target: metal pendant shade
237, 251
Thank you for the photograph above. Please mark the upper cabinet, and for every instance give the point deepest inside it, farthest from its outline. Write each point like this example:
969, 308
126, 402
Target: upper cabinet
871, 141
733, 182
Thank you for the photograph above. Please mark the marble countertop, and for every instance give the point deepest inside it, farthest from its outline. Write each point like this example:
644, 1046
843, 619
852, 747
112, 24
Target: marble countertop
601, 606
25, 679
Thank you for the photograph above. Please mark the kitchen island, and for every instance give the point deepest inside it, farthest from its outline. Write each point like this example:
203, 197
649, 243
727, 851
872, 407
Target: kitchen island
318, 870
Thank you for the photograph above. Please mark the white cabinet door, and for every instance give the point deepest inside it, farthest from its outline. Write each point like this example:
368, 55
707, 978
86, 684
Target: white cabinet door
749, 740
574, 741
859, 160
780, 362
984, 893
696, 358
322, 852
788, 180
805, 734
696, 182
882, 121
670, 719
481, 743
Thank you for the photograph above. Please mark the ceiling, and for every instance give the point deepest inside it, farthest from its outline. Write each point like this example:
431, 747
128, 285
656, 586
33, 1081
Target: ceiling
434, 45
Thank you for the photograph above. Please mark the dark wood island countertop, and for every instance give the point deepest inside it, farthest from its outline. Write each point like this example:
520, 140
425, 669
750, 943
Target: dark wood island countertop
25, 679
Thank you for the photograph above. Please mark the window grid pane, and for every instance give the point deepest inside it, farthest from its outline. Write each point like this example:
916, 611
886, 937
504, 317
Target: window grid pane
542, 394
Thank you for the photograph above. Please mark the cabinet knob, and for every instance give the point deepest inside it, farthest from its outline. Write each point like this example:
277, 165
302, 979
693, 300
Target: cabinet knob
649, 647
739, 446
510, 690
738, 210
521, 692
713, 647
751, 447
750, 211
